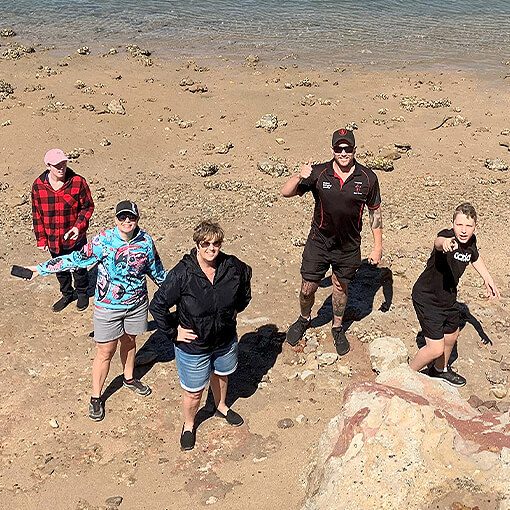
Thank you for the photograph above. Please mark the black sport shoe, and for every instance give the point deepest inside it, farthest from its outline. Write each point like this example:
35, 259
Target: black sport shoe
449, 377
83, 302
137, 386
63, 302
297, 330
340, 340
188, 439
96, 409
233, 418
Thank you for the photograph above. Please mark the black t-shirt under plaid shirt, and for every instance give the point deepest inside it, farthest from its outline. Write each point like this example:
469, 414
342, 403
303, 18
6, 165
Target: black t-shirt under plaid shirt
339, 205
437, 285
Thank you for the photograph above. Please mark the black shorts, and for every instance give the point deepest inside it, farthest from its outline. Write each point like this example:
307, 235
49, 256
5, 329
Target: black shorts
317, 259
435, 322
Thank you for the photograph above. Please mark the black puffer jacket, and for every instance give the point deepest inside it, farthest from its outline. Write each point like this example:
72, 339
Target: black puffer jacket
209, 309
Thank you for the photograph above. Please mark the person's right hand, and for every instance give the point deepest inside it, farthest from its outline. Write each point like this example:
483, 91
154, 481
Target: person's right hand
306, 170
185, 335
450, 245
44, 248
34, 271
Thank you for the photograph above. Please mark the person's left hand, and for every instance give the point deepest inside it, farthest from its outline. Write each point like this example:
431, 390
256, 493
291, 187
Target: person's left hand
492, 290
375, 257
185, 335
72, 234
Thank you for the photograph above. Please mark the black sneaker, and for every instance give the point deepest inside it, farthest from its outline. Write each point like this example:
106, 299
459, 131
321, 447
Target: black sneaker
63, 302
340, 340
449, 377
83, 302
297, 330
96, 409
188, 439
137, 386
232, 418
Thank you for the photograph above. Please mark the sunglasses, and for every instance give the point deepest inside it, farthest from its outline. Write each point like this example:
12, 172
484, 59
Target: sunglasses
338, 149
126, 216
206, 244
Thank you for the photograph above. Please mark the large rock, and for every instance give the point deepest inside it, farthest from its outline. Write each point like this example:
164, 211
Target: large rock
387, 353
408, 442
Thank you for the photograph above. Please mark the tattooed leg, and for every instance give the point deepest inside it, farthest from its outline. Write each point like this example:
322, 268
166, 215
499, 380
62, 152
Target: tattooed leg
339, 299
307, 297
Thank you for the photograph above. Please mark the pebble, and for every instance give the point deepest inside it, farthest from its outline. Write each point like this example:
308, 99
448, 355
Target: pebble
114, 501
344, 370
105, 142
269, 122
117, 107
504, 366
211, 500
499, 391
496, 376
496, 164
327, 358
301, 419
306, 374
54, 423
475, 401
285, 423
84, 50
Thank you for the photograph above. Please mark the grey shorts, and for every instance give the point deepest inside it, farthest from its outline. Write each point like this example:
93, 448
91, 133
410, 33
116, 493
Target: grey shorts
110, 325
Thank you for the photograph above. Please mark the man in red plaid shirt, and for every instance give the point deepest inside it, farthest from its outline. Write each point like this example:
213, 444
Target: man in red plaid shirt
61, 208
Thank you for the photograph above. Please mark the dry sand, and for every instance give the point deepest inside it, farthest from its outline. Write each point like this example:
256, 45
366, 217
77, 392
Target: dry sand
45, 358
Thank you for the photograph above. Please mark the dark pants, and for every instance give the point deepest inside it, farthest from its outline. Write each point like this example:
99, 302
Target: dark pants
65, 278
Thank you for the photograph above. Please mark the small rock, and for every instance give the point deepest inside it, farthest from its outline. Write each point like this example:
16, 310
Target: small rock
84, 50
206, 170
496, 164
285, 423
6, 123
211, 500
252, 60
7, 32
54, 423
499, 391
112, 51
503, 406
496, 376
116, 107
280, 141
198, 88
301, 419
475, 401
105, 142
269, 122
327, 358
306, 374
79, 84
275, 167
114, 501
344, 370
504, 366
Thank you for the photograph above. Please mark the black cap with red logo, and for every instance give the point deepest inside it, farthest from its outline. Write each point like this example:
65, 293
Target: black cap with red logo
343, 136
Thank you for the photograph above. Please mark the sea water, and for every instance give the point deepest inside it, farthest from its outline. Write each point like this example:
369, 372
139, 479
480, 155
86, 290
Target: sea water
473, 34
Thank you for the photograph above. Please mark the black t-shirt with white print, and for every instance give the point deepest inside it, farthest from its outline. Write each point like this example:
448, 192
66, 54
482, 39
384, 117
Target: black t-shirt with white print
339, 205
437, 285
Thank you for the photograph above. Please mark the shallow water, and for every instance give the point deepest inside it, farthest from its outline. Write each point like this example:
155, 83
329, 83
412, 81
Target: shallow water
468, 34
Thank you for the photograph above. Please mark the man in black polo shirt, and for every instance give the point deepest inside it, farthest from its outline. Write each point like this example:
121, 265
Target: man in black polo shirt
341, 189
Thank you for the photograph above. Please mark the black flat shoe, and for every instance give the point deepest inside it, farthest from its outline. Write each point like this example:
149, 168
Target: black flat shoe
232, 418
187, 439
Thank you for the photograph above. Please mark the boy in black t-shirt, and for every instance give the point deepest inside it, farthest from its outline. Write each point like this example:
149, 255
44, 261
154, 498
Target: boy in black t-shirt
435, 293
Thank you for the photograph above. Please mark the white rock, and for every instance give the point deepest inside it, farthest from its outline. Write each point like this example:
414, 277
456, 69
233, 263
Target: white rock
54, 423
387, 353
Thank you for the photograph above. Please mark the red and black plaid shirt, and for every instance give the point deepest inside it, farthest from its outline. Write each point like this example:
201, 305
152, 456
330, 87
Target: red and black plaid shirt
56, 212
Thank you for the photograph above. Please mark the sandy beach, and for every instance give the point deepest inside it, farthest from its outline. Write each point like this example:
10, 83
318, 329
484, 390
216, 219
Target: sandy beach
150, 133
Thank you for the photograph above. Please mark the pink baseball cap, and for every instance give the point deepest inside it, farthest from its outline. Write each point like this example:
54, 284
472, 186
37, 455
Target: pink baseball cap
54, 157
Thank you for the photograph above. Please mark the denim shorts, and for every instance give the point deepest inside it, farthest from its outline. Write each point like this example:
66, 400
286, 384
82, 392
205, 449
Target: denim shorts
110, 324
195, 369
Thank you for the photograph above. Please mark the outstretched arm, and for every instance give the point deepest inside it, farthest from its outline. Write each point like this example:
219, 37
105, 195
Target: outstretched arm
376, 226
490, 286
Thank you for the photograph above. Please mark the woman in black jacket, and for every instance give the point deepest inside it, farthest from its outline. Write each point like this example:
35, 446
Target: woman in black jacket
209, 288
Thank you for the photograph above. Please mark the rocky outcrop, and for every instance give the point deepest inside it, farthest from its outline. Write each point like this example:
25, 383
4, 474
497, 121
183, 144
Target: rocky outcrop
409, 442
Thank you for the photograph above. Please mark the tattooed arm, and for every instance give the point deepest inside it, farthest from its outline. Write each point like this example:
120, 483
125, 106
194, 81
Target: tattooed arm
376, 226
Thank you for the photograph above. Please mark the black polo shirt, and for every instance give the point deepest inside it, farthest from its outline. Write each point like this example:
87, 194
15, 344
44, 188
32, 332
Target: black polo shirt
437, 285
338, 214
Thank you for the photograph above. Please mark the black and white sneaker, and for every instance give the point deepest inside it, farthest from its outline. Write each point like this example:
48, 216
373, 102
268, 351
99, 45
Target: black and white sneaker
449, 376
96, 409
340, 340
297, 330
137, 386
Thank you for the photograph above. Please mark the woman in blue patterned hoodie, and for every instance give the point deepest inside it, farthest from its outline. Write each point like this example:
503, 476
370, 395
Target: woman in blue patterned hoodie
124, 255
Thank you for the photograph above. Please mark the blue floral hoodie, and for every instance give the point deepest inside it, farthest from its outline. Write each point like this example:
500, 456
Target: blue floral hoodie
122, 266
